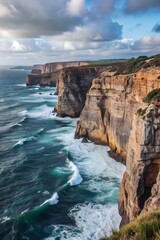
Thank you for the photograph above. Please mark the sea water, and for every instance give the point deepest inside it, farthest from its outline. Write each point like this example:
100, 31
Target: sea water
51, 186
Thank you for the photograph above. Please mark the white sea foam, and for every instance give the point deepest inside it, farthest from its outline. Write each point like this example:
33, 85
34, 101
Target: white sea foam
93, 160
53, 200
45, 95
40, 131
76, 178
46, 192
41, 112
31, 89
23, 112
24, 211
23, 140
40, 149
5, 219
93, 221
21, 85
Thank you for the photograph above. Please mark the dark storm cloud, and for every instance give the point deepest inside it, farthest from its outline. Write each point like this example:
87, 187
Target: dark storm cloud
156, 28
141, 5
36, 18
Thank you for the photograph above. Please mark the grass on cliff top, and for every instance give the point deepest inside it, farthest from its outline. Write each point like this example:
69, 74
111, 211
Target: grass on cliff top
107, 61
135, 64
126, 66
155, 93
145, 227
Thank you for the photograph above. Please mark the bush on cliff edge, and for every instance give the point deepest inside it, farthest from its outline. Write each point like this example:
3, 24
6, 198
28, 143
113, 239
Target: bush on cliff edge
145, 227
154, 93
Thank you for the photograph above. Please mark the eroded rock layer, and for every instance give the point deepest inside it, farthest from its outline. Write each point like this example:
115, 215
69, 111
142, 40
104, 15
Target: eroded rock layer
113, 113
140, 187
72, 87
51, 67
45, 75
46, 79
110, 106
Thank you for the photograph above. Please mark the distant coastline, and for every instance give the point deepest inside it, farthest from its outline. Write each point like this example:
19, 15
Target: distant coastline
28, 68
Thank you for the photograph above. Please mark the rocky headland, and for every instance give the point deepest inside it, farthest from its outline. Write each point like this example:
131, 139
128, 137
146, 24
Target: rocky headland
118, 104
114, 111
43, 75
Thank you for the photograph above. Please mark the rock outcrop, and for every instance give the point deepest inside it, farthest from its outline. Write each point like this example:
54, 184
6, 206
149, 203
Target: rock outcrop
51, 67
72, 87
113, 113
140, 189
37, 69
110, 106
46, 79
45, 75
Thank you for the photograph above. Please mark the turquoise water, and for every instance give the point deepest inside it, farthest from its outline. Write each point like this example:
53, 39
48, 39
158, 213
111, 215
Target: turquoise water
51, 186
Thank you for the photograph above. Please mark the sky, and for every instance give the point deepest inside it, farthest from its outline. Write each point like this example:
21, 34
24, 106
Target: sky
40, 31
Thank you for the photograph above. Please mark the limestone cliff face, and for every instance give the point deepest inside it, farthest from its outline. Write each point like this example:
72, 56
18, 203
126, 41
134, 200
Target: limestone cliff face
112, 112
112, 115
46, 79
72, 87
37, 69
110, 106
45, 75
51, 67
140, 188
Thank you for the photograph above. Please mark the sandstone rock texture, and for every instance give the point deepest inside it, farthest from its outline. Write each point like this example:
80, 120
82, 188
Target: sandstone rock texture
46, 79
140, 188
45, 75
37, 69
72, 86
110, 116
111, 104
51, 67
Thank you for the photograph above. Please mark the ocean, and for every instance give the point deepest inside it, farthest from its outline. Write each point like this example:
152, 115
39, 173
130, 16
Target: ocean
52, 187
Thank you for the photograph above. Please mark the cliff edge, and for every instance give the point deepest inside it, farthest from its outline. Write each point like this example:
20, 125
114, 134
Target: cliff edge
140, 188
72, 87
46, 75
113, 112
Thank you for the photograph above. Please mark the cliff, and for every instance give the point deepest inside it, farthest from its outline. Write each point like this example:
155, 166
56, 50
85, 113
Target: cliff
110, 106
144, 227
112, 112
140, 188
72, 87
46, 79
45, 75
37, 69
51, 67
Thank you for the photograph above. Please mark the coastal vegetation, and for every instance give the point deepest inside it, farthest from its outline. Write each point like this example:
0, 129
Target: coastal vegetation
155, 93
144, 227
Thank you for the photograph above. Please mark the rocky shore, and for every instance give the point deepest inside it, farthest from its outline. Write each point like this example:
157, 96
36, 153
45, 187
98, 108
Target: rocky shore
114, 111
109, 115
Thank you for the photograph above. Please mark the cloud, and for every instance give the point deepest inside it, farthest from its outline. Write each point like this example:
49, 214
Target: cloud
76, 8
67, 19
156, 28
18, 47
34, 18
141, 5
72, 46
147, 43
95, 31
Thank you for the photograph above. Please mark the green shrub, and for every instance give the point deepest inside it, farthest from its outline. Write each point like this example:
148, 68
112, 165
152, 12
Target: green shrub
145, 227
152, 94
141, 112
